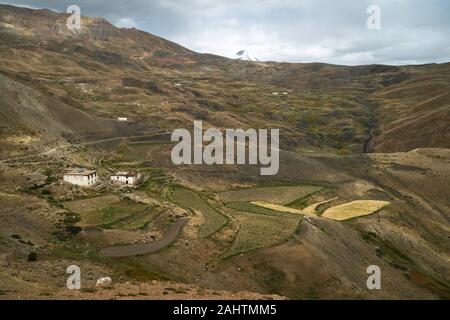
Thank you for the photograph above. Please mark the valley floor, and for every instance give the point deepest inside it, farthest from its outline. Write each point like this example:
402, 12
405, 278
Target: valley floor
241, 236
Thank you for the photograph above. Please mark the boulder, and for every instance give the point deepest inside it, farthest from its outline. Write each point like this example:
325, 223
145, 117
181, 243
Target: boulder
103, 282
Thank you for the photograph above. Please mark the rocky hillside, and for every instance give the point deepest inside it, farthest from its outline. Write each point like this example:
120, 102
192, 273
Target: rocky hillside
108, 72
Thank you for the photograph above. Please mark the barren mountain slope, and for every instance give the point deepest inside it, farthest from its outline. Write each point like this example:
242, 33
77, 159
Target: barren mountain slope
31, 121
415, 113
111, 72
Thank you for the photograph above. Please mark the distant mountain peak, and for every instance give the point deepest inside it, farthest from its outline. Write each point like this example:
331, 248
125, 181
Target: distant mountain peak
244, 55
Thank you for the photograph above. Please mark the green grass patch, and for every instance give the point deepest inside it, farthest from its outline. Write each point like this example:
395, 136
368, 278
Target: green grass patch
282, 195
301, 202
188, 199
258, 231
135, 152
138, 220
124, 215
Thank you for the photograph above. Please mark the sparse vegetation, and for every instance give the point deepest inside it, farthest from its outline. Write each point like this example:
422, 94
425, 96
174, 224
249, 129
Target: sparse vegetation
86, 205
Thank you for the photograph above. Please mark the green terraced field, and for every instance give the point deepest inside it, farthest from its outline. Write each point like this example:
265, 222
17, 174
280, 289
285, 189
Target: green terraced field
187, 199
258, 231
283, 195
252, 208
136, 221
123, 215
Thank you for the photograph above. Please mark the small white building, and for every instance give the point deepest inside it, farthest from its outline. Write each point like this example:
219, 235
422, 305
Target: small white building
81, 177
127, 178
122, 119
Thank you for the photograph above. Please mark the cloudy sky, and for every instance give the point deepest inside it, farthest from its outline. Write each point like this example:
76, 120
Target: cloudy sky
333, 31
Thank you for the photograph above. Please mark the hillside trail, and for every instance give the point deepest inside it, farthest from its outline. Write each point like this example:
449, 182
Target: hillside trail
55, 149
145, 248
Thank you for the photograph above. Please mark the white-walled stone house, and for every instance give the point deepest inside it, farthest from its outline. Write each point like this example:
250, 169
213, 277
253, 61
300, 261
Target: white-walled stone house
127, 178
81, 177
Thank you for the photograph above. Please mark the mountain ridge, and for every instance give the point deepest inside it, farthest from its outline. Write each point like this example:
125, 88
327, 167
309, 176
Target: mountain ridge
328, 106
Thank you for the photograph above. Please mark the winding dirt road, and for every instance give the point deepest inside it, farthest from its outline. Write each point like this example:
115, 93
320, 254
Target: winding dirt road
145, 248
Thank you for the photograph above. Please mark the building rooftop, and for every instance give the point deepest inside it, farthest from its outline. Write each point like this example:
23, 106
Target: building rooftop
124, 174
80, 172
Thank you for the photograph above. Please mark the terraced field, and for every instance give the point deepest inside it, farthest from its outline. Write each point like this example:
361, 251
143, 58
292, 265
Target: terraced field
258, 231
282, 195
188, 199
354, 209
137, 220
277, 207
253, 208
86, 205
117, 214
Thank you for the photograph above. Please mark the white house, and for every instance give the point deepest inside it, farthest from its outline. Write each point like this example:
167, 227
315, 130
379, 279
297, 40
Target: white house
81, 177
122, 119
127, 178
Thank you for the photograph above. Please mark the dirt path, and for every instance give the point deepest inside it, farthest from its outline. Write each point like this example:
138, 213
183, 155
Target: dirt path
50, 151
144, 248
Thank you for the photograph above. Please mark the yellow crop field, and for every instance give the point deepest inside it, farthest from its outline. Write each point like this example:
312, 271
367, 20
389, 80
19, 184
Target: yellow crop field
353, 209
277, 207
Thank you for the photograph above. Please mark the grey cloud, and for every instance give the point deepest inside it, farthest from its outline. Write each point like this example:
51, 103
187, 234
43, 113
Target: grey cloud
333, 31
